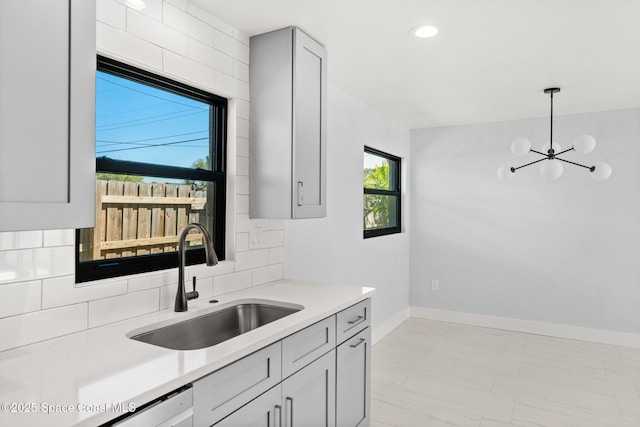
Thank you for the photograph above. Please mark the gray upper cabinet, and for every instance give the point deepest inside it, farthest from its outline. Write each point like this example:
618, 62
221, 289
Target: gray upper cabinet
288, 74
47, 114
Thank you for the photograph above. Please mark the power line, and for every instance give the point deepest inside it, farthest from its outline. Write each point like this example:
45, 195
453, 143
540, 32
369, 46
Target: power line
148, 94
135, 141
152, 145
147, 122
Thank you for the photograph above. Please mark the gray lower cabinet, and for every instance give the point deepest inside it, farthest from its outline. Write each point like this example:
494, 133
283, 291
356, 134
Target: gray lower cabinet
303, 380
264, 411
309, 395
353, 380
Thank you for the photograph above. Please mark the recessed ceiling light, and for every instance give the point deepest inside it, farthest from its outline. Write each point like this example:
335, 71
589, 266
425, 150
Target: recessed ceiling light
136, 4
424, 31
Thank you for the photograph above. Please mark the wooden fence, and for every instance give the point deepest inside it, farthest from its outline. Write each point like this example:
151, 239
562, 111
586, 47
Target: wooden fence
139, 218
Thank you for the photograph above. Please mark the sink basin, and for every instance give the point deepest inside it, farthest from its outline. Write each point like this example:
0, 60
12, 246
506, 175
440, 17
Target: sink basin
215, 327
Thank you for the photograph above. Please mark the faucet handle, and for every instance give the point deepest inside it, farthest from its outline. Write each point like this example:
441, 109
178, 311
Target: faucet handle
193, 294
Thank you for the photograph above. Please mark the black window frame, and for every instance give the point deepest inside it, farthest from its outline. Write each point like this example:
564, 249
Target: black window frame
396, 192
115, 267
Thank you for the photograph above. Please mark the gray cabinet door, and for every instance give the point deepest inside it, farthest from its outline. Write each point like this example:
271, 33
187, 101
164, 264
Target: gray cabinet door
47, 114
263, 411
288, 73
309, 126
308, 397
353, 373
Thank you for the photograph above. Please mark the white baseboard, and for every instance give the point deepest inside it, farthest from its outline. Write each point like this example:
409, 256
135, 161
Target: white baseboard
380, 331
529, 326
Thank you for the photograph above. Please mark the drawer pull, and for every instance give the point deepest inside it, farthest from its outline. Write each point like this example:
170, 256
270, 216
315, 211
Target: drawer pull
290, 422
360, 341
357, 320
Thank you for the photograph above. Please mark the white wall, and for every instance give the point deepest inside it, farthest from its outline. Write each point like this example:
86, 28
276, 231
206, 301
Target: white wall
332, 249
38, 296
563, 251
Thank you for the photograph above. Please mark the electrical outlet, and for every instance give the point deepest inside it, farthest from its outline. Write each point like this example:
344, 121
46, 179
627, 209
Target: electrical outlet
435, 285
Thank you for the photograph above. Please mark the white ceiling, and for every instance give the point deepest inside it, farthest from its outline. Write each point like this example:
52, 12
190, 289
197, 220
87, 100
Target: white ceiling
490, 62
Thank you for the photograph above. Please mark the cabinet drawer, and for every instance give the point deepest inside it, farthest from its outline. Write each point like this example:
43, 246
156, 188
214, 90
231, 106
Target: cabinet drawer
352, 320
302, 348
224, 391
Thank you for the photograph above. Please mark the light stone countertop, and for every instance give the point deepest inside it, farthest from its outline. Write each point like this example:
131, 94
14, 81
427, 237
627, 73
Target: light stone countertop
86, 371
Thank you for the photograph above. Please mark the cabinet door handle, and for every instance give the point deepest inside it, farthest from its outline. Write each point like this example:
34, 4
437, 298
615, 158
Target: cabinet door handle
279, 419
290, 418
357, 320
360, 341
300, 193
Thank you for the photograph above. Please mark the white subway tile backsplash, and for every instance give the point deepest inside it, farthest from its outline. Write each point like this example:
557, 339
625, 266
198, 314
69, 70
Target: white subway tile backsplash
188, 69
209, 56
276, 224
241, 70
242, 128
242, 166
187, 24
181, 4
59, 238
129, 48
252, 259
226, 84
155, 32
205, 16
242, 109
225, 43
243, 223
152, 280
41, 325
242, 242
133, 304
61, 291
242, 184
20, 298
242, 204
276, 255
231, 282
168, 296
202, 270
268, 274
28, 264
10, 240
242, 147
153, 9
241, 36
111, 13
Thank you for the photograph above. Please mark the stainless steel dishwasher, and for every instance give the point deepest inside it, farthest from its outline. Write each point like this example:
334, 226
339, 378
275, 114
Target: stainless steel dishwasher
172, 410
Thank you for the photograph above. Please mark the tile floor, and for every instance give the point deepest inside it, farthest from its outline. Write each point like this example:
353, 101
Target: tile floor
429, 373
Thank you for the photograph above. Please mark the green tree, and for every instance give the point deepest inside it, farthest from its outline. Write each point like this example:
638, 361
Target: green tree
118, 177
376, 207
198, 185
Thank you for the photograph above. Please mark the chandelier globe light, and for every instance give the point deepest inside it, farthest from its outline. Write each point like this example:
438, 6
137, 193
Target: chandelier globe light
553, 167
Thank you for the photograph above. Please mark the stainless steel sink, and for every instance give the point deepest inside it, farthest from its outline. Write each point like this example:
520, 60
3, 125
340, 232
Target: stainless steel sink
214, 327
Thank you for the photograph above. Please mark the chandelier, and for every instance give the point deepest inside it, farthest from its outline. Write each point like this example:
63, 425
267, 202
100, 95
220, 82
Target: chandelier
551, 167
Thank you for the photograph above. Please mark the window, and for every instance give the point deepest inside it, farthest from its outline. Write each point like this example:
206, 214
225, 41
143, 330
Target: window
381, 181
160, 163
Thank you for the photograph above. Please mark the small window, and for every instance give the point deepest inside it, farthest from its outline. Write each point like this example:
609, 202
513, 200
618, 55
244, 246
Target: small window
160, 163
381, 181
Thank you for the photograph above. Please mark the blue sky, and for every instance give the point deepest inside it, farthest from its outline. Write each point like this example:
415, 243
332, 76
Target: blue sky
140, 123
